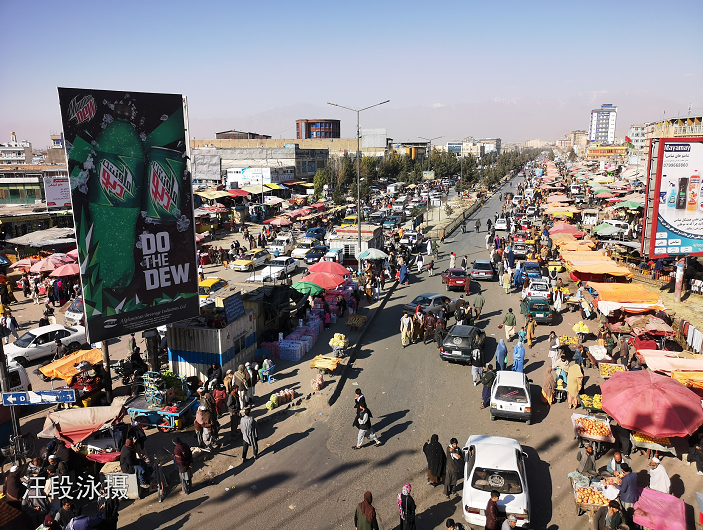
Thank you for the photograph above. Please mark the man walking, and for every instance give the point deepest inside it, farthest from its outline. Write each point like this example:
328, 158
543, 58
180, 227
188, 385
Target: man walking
464, 262
363, 423
477, 365
478, 225
509, 323
183, 458
487, 381
234, 408
479, 302
250, 434
531, 327
455, 466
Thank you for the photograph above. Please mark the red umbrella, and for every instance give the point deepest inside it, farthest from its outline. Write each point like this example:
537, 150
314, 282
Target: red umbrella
324, 279
70, 269
329, 266
653, 404
73, 254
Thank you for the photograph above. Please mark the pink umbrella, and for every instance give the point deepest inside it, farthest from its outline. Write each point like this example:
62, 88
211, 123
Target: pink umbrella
24, 264
281, 222
329, 266
73, 253
653, 404
565, 228
324, 279
47, 264
61, 256
69, 269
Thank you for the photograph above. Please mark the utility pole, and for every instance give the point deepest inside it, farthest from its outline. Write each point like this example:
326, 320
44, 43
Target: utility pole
5, 387
429, 151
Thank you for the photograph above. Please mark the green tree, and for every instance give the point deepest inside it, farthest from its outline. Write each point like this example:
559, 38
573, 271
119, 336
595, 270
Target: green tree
347, 172
322, 178
572, 155
338, 196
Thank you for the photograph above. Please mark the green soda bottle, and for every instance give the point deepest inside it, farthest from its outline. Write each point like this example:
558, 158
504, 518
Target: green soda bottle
114, 195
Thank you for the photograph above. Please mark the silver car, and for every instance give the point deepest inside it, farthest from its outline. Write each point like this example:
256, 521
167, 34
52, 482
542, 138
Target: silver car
432, 303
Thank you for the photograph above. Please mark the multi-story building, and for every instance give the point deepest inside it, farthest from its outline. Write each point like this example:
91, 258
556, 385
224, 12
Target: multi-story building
210, 164
536, 143
15, 153
606, 152
24, 184
317, 129
490, 144
638, 136
55, 155
240, 135
603, 120
564, 143
681, 127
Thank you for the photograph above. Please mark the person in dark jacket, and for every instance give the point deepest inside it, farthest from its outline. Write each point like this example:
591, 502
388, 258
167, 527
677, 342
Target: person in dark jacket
84, 522
494, 519
183, 458
233, 407
455, 467
487, 381
67, 512
608, 517
363, 423
436, 459
109, 505
407, 508
13, 488
365, 515
628, 490
129, 463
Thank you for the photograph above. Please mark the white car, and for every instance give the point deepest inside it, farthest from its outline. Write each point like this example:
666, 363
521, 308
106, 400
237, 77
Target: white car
39, 342
74, 314
517, 199
304, 247
538, 289
494, 463
530, 211
510, 396
501, 224
278, 267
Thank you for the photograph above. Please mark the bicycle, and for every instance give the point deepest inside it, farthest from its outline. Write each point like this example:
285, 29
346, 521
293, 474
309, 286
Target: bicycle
21, 450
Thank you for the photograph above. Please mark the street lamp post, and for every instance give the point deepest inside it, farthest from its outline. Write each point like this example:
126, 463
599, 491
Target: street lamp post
429, 150
358, 171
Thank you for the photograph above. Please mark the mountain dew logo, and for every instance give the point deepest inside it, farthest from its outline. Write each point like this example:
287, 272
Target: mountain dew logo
163, 188
115, 181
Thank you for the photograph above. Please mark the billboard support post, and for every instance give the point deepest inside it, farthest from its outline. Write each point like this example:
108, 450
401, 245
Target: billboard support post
680, 267
108, 372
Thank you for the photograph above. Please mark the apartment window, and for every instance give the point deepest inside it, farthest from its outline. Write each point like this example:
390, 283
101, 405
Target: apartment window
349, 251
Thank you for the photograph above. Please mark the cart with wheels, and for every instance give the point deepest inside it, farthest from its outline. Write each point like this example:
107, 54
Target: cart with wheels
658, 445
587, 501
594, 428
165, 418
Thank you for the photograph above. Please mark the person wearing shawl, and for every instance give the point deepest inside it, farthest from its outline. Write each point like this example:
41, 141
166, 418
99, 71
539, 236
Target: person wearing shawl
406, 329
404, 275
365, 516
548, 385
240, 381
418, 321
501, 354
250, 435
574, 382
518, 278
406, 507
436, 459
518, 357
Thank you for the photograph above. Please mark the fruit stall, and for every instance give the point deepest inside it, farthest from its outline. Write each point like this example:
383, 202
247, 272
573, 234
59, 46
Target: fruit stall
592, 404
166, 402
640, 440
608, 369
595, 429
588, 500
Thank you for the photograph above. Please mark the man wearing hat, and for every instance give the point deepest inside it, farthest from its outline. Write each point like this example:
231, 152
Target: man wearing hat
183, 458
253, 378
13, 488
658, 477
509, 523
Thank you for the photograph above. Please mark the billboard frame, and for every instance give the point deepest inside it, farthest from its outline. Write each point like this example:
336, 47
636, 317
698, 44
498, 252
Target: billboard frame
655, 165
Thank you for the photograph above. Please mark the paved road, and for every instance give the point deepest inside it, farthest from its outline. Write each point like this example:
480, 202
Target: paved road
309, 477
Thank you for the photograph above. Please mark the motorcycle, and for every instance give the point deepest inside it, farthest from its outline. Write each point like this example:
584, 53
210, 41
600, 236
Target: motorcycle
129, 374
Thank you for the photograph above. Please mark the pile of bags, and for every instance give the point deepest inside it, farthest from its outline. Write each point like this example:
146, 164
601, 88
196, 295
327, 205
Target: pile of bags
339, 340
280, 398
580, 327
317, 383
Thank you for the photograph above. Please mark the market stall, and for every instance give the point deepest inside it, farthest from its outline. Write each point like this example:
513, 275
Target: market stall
594, 428
165, 403
659, 511
82, 371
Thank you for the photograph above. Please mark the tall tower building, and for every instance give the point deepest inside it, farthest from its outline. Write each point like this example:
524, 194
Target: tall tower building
602, 127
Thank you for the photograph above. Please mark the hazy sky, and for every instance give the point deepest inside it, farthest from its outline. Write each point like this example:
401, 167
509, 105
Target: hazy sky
237, 58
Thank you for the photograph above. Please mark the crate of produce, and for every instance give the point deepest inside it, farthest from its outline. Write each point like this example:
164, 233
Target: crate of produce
608, 369
592, 428
591, 403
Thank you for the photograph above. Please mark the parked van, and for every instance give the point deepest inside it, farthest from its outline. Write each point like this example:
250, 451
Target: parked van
618, 224
350, 220
283, 245
74, 314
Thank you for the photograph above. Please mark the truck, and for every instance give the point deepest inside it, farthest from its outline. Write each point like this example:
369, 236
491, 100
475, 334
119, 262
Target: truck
283, 245
396, 187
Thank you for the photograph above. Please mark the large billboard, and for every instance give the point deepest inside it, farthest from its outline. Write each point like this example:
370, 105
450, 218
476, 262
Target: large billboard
133, 208
57, 192
675, 198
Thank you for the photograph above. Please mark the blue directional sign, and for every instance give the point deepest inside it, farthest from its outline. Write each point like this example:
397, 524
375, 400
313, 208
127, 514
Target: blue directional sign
39, 397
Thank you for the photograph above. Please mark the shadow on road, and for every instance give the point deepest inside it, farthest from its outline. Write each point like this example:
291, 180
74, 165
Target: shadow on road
396, 429
287, 440
156, 519
539, 473
390, 418
434, 516
533, 366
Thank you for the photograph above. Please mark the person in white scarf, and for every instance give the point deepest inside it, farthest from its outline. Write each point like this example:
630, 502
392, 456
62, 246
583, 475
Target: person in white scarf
406, 329
658, 477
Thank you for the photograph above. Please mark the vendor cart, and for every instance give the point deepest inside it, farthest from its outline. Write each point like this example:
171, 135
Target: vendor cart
165, 418
83, 372
660, 445
356, 321
583, 507
597, 441
608, 369
588, 404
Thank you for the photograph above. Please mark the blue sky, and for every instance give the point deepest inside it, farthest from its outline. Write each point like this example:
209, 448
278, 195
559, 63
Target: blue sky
240, 58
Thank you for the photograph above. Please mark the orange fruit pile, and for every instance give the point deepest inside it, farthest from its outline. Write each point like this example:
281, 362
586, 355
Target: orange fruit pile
591, 427
590, 496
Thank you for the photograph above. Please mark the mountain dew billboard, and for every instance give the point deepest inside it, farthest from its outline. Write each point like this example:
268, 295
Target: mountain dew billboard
133, 208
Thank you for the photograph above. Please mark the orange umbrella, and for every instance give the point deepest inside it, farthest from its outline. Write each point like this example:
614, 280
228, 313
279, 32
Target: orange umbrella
325, 280
329, 266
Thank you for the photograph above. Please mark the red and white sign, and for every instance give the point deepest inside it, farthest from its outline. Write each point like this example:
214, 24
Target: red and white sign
58, 192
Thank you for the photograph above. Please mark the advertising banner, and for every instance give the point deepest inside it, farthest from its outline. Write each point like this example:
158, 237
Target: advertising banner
133, 208
676, 224
58, 192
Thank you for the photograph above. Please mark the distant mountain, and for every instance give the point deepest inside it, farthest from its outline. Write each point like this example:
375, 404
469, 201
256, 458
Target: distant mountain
513, 120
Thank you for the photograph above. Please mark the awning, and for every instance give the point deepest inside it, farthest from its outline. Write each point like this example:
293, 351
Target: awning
604, 267
307, 184
626, 296
238, 193
65, 368
255, 190
75, 425
42, 235
213, 194
274, 186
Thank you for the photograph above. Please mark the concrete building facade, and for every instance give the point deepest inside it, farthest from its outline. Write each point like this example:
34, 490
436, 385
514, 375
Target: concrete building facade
240, 135
603, 121
681, 127
317, 128
14, 153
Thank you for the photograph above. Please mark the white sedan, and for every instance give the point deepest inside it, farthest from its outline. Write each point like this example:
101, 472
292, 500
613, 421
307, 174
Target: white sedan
494, 463
538, 289
501, 224
39, 342
278, 268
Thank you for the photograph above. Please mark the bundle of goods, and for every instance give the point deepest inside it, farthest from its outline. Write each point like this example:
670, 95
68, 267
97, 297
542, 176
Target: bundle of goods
356, 321
272, 347
290, 350
590, 496
607, 370
325, 362
580, 327
643, 438
595, 402
339, 340
565, 340
280, 398
599, 353
317, 383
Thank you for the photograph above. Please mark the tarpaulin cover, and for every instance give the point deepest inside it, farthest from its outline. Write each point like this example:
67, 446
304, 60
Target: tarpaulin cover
659, 511
583, 255
624, 292
689, 379
668, 361
648, 324
75, 425
103, 458
575, 245
65, 368
610, 268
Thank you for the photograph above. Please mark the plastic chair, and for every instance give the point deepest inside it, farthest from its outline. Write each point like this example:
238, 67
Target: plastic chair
269, 374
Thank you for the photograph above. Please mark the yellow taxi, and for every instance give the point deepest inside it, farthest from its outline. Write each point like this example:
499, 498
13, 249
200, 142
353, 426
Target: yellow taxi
252, 259
211, 285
